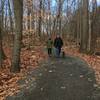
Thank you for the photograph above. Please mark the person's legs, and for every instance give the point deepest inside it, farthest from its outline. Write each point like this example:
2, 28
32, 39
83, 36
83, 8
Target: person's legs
49, 51
58, 50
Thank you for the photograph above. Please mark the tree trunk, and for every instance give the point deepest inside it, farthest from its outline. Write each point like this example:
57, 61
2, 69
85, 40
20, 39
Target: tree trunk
18, 11
93, 29
0, 49
85, 27
78, 25
40, 19
10, 17
59, 16
2, 55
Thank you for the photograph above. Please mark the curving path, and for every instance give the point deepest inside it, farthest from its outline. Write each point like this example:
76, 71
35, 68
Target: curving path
67, 78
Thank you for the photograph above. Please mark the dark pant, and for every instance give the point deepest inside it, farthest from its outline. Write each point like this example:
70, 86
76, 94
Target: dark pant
58, 51
49, 51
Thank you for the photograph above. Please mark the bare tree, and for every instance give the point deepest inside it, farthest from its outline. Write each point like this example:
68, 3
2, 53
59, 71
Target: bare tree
93, 27
40, 18
10, 16
1, 49
2, 55
18, 12
85, 26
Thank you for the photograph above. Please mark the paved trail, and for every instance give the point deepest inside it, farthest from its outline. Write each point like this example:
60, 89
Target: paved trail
61, 79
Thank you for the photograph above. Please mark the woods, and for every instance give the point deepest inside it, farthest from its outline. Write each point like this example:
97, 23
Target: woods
76, 20
18, 11
25, 26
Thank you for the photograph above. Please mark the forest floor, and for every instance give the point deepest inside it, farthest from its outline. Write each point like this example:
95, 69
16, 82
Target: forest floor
92, 60
67, 78
30, 60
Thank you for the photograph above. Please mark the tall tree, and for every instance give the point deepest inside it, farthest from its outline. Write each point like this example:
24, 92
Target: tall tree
93, 26
78, 23
1, 49
10, 16
40, 18
2, 55
85, 26
18, 12
59, 14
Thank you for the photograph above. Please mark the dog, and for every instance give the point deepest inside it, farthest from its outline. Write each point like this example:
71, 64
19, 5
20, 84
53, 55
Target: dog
63, 53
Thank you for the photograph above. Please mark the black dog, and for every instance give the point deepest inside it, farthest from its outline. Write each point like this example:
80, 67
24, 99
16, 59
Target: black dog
63, 54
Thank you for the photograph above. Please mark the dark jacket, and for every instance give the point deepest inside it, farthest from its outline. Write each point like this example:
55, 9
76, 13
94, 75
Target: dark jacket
58, 43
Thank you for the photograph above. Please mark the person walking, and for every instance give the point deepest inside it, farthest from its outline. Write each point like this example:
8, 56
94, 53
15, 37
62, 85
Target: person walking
49, 46
58, 43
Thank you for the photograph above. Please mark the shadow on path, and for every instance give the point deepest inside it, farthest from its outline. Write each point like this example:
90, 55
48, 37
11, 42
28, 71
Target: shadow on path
60, 79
